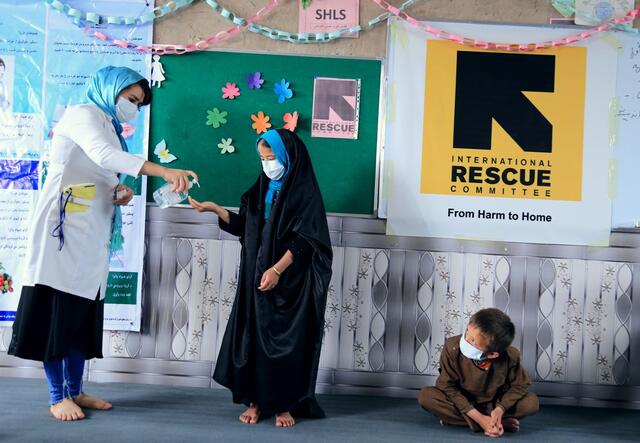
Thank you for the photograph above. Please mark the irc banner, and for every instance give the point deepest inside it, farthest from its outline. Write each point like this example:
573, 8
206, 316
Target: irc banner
498, 145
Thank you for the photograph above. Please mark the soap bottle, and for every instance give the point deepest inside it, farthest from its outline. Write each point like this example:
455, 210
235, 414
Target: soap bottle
165, 197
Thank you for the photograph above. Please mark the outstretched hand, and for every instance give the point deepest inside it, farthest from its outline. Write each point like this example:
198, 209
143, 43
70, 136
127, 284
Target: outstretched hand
202, 206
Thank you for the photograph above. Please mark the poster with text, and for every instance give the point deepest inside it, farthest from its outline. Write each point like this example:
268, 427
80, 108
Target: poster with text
336, 107
45, 62
329, 16
493, 145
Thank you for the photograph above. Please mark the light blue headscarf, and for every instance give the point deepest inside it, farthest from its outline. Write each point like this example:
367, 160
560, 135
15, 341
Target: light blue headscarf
103, 90
280, 151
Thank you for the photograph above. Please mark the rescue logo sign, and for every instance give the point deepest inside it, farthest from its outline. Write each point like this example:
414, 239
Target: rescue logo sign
500, 124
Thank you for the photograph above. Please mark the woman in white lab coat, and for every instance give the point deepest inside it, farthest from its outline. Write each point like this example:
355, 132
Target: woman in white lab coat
75, 228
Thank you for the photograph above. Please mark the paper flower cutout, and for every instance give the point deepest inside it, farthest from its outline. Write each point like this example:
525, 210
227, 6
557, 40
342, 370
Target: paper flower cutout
163, 153
226, 146
290, 121
230, 91
216, 118
128, 130
260, 122
282, 90
254, 80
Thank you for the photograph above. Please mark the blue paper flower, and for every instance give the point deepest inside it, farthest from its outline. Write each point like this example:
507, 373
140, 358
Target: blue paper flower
282, 90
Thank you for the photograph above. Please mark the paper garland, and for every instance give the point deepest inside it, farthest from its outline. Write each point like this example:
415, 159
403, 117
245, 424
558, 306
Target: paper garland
201, 45
78, 15
81, 17
514, 47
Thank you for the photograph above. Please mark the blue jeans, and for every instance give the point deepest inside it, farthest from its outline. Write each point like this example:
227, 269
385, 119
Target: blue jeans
65, 377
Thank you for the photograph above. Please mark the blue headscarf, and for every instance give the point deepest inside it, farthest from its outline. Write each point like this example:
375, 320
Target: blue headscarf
103, 90
280, 151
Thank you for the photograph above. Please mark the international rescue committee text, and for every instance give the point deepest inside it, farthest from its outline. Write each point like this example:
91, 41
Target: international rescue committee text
500, 176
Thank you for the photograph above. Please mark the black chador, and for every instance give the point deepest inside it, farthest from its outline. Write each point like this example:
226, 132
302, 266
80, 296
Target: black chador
271, 347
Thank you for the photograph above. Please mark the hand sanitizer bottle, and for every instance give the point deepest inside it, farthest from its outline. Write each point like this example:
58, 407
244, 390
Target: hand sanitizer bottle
165, 197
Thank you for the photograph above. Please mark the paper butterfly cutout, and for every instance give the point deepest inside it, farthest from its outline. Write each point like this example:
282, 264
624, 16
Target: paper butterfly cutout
231, 91
163, 153
260, 122
290, 121
282, 90
216, 118
254, 80
226, 146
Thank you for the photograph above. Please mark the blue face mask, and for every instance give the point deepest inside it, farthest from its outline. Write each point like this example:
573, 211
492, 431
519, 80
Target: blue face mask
470, 351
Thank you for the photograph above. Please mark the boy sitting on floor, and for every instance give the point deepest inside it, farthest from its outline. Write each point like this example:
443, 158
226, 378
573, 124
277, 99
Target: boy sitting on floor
481, 382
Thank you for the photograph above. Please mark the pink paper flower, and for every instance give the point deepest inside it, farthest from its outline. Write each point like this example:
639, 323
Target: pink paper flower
230, 91
290, 121
128, 130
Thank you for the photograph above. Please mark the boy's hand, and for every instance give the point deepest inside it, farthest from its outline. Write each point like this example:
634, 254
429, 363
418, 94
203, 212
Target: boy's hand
490, 430
496, 419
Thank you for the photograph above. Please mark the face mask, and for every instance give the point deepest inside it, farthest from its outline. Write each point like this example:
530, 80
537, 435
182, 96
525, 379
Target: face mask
470, 351
273, 169
125, 110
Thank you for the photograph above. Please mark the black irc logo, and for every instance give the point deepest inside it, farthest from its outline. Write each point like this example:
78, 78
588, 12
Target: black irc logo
490, 86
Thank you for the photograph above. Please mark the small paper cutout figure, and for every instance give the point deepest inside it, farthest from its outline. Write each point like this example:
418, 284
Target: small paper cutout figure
128, 130
260, 122
163, 153
157, 72
226, 146
282, 90
290, 121
254, 80
230, 91
216, 118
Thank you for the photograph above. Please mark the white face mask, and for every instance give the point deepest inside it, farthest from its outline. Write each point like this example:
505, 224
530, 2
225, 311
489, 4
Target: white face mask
470, 351
273, 169
125, 110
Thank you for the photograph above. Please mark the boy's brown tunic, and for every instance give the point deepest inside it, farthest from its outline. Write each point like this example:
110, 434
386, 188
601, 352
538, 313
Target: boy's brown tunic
462, 386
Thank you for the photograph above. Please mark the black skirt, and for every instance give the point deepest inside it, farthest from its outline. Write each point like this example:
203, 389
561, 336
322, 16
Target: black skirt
49, 323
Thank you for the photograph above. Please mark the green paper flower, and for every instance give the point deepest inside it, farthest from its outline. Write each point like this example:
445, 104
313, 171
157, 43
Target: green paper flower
216, 118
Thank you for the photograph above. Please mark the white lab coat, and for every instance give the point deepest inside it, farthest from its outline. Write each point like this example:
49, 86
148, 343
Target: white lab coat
85, 149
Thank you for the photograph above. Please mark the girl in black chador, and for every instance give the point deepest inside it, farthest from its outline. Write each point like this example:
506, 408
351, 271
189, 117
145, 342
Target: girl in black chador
271, 348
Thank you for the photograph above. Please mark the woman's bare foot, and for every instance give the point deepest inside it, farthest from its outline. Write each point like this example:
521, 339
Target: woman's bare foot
284, 420
66, 410
251, 415
86, 401
511, 424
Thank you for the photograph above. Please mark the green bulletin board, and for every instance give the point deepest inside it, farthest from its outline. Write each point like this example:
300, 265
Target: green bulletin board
346, 169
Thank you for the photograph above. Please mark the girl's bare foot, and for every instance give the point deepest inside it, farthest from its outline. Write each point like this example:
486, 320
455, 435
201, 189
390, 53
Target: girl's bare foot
66, 410
511, 424
284, 420
251, 415
86, 401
